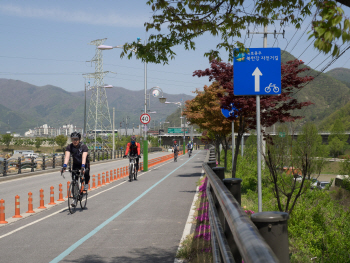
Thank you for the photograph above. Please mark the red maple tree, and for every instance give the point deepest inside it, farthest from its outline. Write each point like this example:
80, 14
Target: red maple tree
273, 108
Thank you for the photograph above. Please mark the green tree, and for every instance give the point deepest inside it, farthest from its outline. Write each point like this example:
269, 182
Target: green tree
19, 142
6, 139
301, 156
338, 130
307, 150
38, 143
61, 140
336, 146
225, 20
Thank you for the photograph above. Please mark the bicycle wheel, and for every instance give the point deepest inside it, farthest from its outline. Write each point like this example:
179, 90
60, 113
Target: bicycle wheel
73, 194
135, 173
83, 198
131, 172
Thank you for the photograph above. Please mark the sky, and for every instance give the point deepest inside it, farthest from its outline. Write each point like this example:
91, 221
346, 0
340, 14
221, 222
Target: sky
47, 43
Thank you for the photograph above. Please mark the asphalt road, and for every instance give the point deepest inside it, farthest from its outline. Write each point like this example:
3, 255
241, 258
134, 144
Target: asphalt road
139, 221
33, 183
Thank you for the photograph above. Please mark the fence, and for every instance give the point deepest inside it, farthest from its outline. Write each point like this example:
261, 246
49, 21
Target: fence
46, 162
235, 236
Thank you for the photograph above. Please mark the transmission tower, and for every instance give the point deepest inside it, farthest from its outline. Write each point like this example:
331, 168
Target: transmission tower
98, 123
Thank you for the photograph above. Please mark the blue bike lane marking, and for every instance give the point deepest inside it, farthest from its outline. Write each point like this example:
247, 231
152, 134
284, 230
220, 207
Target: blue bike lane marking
93, 232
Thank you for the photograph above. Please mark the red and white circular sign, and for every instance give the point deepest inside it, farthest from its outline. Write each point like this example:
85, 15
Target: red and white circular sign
145, 118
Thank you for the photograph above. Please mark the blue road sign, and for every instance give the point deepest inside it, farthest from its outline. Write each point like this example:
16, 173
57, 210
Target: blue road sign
257, 72
229, 113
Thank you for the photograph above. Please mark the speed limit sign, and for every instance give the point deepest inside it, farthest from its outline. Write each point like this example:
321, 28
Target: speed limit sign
145, 118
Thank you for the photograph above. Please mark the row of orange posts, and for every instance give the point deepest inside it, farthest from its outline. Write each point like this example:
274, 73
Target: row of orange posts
107, 178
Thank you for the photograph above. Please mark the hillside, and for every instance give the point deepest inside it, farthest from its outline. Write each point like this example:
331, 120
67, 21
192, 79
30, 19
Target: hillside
31, 105
341, 74
325, 92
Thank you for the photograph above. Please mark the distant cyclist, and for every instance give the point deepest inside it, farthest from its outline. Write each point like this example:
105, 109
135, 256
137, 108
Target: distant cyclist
135, 150
190, 146
175, 150
79, 152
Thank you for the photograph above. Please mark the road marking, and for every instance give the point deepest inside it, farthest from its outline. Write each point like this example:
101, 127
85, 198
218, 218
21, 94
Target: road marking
93, 232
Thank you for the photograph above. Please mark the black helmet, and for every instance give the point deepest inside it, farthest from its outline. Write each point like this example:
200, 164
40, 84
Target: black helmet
133, 138
75, 135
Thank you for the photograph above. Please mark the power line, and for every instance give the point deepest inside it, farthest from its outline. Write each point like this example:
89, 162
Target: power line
325, 67
306, 48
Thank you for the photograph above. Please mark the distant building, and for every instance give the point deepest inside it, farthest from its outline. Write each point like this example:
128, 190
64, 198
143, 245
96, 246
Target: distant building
30, 133
47, 131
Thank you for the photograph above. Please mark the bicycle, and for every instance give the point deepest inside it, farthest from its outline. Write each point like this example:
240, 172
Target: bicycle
76, 191
189, 152
132, 168
175, 155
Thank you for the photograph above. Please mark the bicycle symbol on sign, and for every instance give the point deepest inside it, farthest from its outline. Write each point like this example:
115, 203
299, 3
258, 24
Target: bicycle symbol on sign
268, 88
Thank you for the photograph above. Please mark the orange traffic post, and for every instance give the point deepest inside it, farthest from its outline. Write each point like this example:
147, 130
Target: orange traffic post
107, 178
99, 180
30, 203
111, 175
60, 195
41, 199
118, 175
115, 174
93, 182
52, 196
103, 179
127, 170
123, 175
17, 208
89, 186
68, 183
2, 212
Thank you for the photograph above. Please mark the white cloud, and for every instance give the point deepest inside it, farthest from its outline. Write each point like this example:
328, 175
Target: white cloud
110, 19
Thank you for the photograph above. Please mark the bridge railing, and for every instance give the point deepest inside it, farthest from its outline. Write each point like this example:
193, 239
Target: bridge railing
235, 236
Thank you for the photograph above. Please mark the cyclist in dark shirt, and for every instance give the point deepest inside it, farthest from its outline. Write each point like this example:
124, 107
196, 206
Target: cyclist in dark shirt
79, 152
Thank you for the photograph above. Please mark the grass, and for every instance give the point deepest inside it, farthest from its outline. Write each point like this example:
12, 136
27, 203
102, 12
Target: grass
331, 168
196, 249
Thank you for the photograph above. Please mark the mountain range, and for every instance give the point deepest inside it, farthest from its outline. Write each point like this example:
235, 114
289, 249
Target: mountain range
24, 106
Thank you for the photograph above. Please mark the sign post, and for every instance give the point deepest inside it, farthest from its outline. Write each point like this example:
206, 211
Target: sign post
230, 113
145, 119
258, 72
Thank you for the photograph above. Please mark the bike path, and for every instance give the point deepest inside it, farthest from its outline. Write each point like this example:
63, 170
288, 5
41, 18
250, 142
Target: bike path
22, 186
141, 221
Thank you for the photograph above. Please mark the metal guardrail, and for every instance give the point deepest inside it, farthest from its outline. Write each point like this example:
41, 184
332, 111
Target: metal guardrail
234, 234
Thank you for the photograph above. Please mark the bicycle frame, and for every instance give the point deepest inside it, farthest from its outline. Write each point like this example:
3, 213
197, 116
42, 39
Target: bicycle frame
132, 163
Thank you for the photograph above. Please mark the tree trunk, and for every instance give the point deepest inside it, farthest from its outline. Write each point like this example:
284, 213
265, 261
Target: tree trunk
217, 142
225, 149
236, 150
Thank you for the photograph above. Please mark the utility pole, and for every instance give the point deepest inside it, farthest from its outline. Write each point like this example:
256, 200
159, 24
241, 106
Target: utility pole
113, 134
145, 142
98, 117
260, 149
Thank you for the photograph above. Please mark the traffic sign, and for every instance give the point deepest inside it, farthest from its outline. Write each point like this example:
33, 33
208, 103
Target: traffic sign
229, 113
257, 72
145, 118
